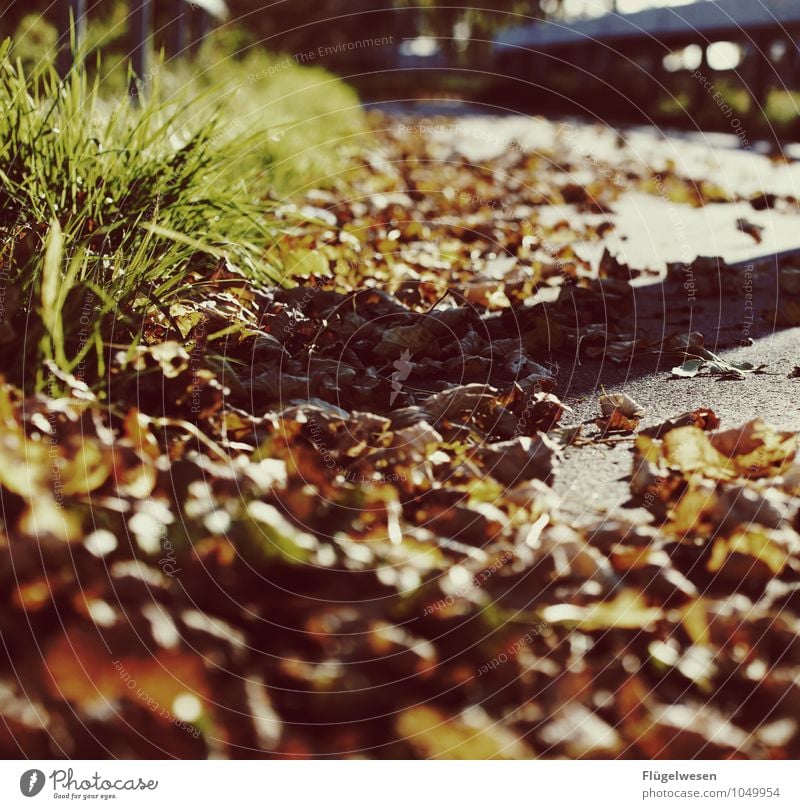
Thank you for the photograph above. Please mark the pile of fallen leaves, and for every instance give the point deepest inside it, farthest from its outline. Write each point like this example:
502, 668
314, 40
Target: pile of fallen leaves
317, 521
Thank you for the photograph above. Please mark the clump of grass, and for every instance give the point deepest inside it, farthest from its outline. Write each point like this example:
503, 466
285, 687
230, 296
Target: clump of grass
303, 114
110, 209
122, 203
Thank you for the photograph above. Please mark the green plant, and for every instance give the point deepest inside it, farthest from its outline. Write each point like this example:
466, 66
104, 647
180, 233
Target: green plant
119, 203
304, 115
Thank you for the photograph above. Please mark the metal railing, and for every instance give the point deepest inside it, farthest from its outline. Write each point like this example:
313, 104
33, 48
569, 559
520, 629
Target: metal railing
189, 23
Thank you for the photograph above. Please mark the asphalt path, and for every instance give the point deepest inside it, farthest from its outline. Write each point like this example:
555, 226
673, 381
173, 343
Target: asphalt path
593, 481
736, 318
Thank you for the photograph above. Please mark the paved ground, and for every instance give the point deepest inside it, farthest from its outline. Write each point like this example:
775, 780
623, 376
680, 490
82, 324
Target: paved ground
596, 477
651, 231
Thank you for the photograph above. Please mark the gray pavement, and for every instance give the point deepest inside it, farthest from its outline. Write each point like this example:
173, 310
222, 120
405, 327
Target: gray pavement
594, 480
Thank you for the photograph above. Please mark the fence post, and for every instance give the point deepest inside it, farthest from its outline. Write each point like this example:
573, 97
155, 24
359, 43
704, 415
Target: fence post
70, 13
141, 19
178, 33
201, 25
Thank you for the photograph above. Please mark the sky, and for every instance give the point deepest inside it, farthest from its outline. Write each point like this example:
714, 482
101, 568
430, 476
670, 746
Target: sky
595, 8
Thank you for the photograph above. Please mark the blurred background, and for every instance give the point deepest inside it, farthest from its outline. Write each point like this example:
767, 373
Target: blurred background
622, 60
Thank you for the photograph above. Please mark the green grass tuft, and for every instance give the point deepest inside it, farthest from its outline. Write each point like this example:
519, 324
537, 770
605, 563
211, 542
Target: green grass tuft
109, 208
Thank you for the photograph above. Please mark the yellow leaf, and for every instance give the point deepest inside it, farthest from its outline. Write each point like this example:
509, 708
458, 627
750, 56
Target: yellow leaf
757, 448
472, 736
689, 450
86, 471
626, 611
46, 517
773, 548
694, 617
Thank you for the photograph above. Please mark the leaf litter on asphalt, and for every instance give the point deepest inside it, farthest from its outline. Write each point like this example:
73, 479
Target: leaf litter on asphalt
330, 503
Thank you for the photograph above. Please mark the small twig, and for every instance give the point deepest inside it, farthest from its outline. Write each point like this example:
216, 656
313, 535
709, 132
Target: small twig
437, 302
584, 442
